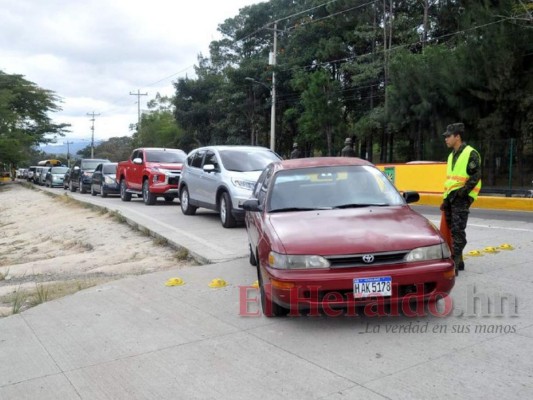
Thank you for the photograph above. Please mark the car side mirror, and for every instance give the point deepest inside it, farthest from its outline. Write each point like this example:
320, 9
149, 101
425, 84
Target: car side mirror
411, 197
251, 205
209, 168
137, 160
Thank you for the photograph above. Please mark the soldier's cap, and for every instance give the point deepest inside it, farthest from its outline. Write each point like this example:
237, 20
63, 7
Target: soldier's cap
348, 141
451, 129
295, 144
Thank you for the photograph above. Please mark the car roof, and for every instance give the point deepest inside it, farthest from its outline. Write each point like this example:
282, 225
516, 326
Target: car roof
158, 148
299, 163
233, 147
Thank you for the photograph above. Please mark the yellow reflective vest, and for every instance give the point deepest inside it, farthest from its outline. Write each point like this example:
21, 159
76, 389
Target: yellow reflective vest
456, 177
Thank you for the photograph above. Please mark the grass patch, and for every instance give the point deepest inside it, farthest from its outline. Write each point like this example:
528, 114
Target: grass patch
182, 254
117, 216
4, 274
41, 294
143, 231
23, 299
19, 298
160, 241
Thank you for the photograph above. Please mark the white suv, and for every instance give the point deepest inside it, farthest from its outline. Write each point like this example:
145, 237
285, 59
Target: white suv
221, 178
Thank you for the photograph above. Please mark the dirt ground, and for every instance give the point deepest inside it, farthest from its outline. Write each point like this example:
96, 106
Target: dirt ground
52, 246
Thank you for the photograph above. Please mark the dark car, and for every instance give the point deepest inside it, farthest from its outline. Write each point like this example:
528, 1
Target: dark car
334, 233
104, 180
55, 176
82, 172
66, 179
41, 176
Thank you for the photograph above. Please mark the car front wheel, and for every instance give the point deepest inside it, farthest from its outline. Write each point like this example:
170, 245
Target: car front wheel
226, 217
82, 189
269, 308
148, 198
124, 195
186, 207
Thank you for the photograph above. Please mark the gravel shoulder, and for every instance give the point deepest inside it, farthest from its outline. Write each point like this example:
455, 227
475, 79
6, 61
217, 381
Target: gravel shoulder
52, 246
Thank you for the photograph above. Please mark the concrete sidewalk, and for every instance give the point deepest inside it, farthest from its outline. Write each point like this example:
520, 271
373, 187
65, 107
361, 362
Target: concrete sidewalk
139, 339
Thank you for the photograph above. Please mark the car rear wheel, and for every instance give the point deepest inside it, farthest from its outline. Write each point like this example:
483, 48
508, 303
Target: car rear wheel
148, 198
186, 207
103, 193
269, 308
252, 259
82, 189
227, 219
124, 195
93, 192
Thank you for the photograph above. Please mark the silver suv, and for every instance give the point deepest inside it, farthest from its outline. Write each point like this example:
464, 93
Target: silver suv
221, 178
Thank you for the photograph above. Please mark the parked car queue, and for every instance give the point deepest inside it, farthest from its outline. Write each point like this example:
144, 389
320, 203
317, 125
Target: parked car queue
324, 233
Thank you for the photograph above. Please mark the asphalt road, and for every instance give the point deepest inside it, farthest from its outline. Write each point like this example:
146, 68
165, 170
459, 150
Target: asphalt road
137, 339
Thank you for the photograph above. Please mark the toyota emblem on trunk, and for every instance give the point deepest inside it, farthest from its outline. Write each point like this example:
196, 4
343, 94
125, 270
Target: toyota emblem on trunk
368, 258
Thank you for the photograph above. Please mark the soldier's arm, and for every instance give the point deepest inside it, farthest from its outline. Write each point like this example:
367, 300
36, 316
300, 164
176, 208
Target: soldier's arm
473, 170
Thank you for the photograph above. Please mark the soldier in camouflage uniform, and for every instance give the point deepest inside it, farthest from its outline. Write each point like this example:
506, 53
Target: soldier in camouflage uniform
463, 182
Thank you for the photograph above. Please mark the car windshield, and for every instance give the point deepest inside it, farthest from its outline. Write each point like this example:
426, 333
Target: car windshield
59, 170
91, 164
109, 169
246, 160
166, 156
331, 188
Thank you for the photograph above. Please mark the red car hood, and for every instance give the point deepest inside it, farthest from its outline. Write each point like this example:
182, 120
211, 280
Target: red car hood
351, 231
169, 166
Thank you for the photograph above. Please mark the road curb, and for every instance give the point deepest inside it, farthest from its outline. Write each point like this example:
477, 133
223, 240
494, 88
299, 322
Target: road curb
489, 202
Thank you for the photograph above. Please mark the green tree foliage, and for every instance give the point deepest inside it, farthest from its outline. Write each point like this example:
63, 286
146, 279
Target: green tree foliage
322, 113
392, 74
114, 149
158, 126
24, 117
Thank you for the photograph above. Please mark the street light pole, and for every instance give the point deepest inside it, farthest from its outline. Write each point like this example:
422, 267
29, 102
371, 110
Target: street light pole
273, 93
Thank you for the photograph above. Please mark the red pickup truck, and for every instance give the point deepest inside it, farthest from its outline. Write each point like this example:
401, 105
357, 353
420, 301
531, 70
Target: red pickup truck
151, 173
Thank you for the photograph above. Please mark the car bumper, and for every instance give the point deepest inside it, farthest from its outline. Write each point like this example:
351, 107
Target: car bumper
164, 189
333, 288
111, 188
237, 202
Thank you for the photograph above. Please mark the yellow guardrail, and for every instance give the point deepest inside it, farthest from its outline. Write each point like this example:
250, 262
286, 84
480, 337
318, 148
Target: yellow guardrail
427, 178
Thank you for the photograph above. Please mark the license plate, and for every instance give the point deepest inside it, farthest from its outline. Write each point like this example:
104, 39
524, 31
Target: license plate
379, 286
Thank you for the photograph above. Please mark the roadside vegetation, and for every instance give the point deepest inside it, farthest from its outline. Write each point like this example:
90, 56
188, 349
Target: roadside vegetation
390, 75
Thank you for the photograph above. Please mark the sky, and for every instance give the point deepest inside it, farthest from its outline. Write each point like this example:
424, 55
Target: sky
94, 53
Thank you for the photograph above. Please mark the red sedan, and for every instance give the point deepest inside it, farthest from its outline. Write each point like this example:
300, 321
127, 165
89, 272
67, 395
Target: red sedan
334, 235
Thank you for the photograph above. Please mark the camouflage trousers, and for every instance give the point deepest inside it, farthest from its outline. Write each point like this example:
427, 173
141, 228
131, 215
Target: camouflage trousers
456, 212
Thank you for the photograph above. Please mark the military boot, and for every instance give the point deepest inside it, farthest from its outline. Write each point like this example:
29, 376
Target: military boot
459, 263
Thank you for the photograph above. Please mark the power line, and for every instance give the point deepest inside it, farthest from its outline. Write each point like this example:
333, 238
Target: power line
138, 94
93, 114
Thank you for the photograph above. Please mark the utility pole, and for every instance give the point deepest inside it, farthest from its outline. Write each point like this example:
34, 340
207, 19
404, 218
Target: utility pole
92, 130
138, 94
68, 152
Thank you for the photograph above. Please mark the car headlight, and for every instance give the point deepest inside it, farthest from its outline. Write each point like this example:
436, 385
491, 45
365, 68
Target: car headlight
436, 252
162, 170
285, 261
243, 184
